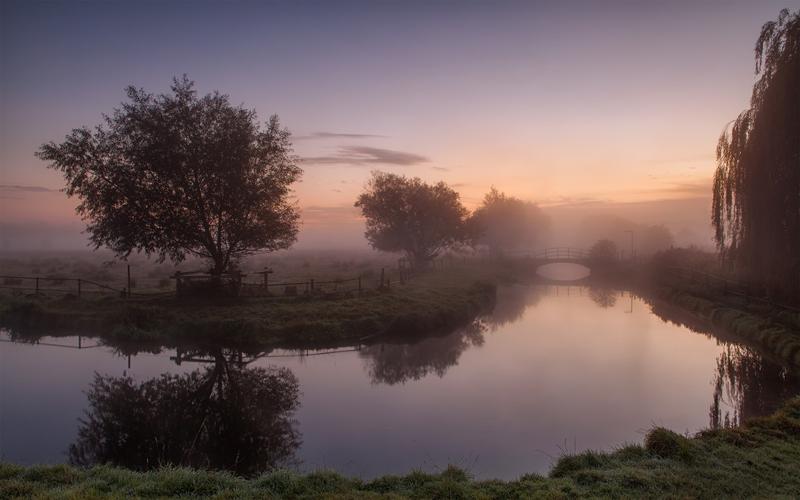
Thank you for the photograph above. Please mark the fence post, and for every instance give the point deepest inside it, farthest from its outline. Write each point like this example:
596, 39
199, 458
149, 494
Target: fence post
129, 280
79, 287
37, 285
312, 284
359, 284
382, 274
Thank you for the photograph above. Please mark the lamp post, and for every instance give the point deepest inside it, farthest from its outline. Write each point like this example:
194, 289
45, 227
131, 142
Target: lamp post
632, 238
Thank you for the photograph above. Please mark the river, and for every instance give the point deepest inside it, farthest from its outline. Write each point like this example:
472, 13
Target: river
553, 370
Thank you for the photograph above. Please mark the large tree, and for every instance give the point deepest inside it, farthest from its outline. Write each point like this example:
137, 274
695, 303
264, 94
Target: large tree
504, 223
756, 203
408, 215
177, 174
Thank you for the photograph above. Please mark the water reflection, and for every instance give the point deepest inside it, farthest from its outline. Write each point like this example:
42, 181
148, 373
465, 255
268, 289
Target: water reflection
511, 304
398, 363
748, 385
603, 297
515, 390
225, 416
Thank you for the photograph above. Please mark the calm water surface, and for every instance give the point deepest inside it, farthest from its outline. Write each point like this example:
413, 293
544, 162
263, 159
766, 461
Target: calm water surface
553, 369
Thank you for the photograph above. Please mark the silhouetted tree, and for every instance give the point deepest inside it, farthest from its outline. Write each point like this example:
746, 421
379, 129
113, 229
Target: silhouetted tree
756, 202
177, 175
408, 215
504, 223
224, 417
604, 251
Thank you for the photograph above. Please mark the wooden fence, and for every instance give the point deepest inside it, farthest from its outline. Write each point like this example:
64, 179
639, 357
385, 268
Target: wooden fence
82, 287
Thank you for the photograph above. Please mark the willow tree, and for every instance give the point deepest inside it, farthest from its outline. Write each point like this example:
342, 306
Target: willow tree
178, 174
756, 199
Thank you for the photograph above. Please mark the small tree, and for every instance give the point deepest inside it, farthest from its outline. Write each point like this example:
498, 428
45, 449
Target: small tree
408, 215
604, 251
177, 175
505, 223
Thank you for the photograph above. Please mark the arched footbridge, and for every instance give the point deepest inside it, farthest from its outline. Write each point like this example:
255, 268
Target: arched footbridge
559, 255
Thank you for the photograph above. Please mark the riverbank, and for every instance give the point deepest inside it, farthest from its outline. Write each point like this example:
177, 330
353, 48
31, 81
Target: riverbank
433, 302
759, 459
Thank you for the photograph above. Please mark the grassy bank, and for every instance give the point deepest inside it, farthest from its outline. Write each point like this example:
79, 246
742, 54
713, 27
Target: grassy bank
431, 302
758, 459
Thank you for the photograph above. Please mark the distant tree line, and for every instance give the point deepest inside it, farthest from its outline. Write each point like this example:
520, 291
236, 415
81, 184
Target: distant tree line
422, 220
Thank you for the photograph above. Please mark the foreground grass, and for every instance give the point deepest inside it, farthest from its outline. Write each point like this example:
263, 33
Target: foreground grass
759, 459
436, 301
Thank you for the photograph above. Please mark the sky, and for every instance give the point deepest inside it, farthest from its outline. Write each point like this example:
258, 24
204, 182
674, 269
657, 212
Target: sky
597, 106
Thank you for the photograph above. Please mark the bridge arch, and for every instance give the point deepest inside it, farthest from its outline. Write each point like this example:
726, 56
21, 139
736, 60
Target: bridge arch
561, 264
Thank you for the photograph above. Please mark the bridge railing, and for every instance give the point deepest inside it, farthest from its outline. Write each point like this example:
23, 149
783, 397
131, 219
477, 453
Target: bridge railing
557, 253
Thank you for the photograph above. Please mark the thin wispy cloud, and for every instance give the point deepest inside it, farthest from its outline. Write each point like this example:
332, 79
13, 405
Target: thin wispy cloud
368, 156
337, 135
441, 169
330, 214
26, 189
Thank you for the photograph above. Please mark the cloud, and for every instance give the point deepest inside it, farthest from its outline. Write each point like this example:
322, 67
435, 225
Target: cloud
442, 169
26, 189
699, 189
331, 214
364, 155
572, 201
700, 158
337, 135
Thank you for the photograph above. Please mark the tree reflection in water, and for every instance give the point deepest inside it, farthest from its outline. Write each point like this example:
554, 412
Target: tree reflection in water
226, 416
511, 303
603, 297
398, 363
749, 385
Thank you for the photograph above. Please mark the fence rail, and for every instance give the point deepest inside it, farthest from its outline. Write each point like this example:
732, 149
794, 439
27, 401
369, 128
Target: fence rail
81, 286
554, 253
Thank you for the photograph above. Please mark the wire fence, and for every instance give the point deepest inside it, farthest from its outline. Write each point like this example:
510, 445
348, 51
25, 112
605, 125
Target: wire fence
196, 283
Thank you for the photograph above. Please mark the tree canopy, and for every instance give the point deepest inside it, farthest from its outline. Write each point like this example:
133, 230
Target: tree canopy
604, 251
177, 174
408, 215
505, 223
756, 198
